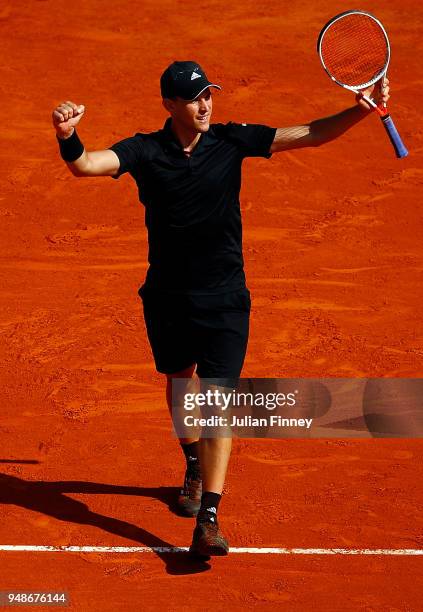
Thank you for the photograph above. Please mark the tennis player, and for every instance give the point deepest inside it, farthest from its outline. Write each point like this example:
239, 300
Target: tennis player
195, 300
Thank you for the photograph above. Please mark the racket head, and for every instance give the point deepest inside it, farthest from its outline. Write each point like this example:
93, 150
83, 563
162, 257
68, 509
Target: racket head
354, 49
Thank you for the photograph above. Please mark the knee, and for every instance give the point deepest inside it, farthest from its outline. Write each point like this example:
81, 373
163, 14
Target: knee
186, 373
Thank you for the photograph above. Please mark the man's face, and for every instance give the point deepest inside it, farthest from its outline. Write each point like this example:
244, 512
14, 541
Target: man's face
193, 115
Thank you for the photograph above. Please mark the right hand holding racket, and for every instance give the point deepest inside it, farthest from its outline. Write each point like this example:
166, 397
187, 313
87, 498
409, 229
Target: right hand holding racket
379, 93
66, 116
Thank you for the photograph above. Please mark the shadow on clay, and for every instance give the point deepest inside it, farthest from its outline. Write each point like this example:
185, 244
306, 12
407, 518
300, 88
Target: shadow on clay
49, 498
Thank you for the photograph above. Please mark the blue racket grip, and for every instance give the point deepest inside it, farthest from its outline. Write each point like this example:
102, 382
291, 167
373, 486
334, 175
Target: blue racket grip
394, 137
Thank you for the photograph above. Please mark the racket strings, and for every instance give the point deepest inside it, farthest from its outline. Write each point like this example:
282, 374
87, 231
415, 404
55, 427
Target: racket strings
355, 50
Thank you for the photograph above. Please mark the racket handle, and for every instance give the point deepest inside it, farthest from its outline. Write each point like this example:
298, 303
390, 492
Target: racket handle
394, 137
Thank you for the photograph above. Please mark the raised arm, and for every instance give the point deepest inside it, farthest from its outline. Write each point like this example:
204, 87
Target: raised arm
324, 130
79, 161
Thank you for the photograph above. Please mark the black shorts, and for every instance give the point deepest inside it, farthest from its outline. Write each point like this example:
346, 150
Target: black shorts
208, 330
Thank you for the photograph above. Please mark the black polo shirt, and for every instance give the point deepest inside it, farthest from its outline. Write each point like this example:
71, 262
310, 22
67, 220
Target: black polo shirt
192, 210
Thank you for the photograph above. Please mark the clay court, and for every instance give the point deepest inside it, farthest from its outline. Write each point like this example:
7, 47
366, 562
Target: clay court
333, 254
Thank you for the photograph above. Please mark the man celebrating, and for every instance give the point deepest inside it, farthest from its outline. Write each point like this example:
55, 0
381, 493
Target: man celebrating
196, 304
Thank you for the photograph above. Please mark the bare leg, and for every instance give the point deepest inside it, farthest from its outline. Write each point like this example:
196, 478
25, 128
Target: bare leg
207, 539
191, 386
214, 452
214, 458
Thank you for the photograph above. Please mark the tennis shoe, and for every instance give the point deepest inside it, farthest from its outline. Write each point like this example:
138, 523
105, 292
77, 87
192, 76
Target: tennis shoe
208, 541
189, 500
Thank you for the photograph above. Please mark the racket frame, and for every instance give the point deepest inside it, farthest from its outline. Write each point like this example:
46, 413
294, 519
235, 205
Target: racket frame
386, 119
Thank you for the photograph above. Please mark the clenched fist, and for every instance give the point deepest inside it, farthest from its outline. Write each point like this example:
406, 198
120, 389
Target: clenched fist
66, 116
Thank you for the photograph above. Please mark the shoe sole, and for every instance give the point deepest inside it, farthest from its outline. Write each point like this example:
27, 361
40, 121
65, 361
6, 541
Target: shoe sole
209, 550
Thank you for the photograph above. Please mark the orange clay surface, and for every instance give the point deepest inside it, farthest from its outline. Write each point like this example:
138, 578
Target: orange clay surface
333, 253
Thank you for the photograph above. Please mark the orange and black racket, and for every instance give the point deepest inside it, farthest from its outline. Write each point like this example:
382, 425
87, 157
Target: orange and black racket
354, 50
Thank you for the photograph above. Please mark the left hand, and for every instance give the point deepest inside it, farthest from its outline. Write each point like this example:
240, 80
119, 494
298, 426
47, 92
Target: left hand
379, 92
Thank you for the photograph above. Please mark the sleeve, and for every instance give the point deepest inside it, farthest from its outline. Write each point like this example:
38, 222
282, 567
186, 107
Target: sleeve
253, 140
131, 153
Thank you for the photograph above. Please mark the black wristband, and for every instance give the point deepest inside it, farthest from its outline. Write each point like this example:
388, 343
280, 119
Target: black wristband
70, 148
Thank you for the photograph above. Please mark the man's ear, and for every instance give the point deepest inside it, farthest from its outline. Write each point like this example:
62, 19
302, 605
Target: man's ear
168, 104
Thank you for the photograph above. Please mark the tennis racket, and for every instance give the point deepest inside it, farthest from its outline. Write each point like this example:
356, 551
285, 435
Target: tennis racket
354, 50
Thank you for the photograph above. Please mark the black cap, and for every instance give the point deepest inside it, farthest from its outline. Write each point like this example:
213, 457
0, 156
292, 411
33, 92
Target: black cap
185, 80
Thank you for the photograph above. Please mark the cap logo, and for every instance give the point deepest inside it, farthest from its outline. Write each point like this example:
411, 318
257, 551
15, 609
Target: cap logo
195, 75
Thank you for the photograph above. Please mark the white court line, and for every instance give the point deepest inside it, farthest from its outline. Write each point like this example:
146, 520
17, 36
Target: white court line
251, 551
